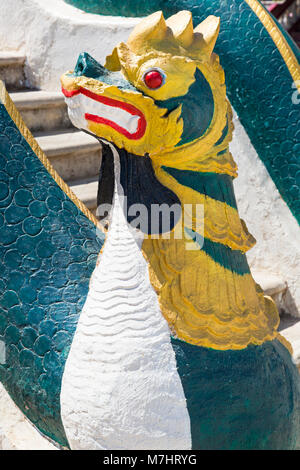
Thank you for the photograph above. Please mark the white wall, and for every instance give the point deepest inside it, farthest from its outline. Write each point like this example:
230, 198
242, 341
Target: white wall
268, 218
51, 34
16, 432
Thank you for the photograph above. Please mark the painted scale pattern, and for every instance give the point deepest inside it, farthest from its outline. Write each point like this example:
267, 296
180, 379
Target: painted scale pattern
248, 399
259, 84
48, 252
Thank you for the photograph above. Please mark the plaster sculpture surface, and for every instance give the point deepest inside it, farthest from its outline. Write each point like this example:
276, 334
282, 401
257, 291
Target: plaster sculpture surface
268, 161
165, 342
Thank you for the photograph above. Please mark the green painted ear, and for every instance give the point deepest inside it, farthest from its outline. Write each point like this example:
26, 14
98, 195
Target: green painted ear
113, 62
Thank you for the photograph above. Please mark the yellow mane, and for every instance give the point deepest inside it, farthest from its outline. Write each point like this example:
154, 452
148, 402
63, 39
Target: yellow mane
205, 303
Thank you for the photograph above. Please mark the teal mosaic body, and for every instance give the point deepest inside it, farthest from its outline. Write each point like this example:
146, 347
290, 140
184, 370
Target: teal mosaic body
225, 390
259, 84
48, 252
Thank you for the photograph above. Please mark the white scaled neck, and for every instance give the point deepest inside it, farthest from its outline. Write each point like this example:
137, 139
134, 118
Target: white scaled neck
121, 388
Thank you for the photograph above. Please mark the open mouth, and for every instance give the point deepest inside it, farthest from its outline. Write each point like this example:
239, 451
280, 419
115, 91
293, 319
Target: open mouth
123, 117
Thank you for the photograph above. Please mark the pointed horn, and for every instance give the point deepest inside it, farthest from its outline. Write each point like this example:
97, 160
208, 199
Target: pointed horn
182, 27
151, 28
209, 29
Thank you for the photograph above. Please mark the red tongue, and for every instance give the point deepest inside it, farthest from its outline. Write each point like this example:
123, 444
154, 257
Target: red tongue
69, 94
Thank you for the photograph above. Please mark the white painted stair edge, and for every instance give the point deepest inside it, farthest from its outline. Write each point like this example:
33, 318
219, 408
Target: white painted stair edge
270, 283
274, 286
86, 191
11, 58
42, 110
292, 334
74, 154
32, 99
12, 69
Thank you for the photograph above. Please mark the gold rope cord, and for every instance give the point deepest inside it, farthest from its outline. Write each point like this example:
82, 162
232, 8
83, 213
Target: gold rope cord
279, 40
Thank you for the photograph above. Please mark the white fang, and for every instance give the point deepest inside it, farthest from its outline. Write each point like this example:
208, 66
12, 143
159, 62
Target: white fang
80, 104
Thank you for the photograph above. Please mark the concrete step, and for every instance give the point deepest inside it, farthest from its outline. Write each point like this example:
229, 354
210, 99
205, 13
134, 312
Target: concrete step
42, 110
12, 70
274, 286
74, 154
271, 284
290, 328
86, 190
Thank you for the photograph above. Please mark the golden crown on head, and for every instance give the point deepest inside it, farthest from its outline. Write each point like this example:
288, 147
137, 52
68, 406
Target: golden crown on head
176, 33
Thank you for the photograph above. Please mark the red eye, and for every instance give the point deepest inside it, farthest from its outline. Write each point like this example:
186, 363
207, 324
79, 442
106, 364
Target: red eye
153, 79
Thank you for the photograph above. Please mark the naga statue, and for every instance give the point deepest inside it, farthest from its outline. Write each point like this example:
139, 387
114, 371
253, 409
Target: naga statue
134, 333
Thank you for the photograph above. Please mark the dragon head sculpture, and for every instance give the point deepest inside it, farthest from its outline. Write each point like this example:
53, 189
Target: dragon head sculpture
136, 339
158, 93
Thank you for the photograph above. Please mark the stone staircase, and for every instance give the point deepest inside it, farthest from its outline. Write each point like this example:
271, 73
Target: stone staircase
75, 155
12, 70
